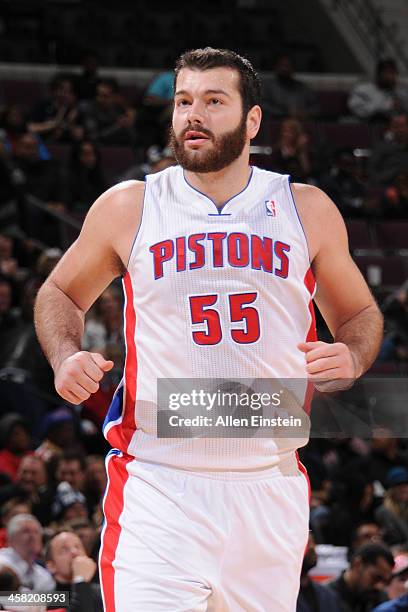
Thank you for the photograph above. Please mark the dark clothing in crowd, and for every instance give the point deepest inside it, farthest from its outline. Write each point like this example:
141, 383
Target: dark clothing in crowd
314, 597
353, 601
84, 596
388, 160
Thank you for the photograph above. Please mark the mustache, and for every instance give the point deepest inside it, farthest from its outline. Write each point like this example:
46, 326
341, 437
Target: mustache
196, 128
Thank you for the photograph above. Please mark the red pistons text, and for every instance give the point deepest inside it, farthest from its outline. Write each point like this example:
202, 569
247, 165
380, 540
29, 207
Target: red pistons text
219, 249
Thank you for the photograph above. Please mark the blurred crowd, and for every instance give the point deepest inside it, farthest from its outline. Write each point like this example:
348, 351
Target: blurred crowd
52, 475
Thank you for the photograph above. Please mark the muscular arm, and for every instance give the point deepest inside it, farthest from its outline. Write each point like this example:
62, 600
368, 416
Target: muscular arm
99, 255
343, 296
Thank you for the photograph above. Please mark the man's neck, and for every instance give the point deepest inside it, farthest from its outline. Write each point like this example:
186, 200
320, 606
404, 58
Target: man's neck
223, 185
27, 557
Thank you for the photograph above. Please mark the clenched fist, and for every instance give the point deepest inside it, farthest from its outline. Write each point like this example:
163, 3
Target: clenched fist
84, 567
331, 367
79, 375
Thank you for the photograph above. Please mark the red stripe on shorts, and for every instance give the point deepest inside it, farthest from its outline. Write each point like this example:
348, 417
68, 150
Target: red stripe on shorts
112, 509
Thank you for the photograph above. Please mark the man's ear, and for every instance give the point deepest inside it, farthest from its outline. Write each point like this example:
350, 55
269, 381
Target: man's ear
253, 121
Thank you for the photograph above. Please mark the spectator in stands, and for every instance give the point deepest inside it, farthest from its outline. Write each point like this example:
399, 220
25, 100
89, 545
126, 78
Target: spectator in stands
96, 480
292, 154
70, 467
87, 533
155, 112
32, 482
73, 571
398, 586
68, 504
156, 159
394, 204
42, 179
390, 157
15, 443
285, 96
344, 183
87, 81
361, 587
60, 435
392, 515
366, 533
378, 100
108, 118
57, 119
314, 597
25, 544
12, 507
85, 181
10, 320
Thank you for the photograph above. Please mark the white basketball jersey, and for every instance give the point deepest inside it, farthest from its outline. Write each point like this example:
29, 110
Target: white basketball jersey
211, 293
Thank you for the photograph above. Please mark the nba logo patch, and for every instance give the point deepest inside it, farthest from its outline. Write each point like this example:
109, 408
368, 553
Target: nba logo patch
270, 208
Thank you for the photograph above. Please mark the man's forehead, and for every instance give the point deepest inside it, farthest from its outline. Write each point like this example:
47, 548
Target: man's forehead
225, 78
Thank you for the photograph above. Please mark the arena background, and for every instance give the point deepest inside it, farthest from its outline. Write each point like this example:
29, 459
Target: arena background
85, 101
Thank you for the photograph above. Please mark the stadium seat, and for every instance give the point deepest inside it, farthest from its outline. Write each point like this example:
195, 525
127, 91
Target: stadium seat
392, 234
333, 104
339, 135
359, 234
378, 270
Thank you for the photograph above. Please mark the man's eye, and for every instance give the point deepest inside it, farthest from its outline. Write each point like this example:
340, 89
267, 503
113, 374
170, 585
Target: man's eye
215, 101
182, 102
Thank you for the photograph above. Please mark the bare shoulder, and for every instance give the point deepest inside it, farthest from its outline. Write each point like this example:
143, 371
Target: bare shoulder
115, 216
320, 217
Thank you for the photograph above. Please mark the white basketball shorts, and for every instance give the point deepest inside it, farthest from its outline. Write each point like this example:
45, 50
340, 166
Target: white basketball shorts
183, 541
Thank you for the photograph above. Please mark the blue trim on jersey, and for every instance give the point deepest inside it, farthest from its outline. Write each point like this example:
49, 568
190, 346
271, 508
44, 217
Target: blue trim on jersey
219, 209
116, 407
219, 214
298, 216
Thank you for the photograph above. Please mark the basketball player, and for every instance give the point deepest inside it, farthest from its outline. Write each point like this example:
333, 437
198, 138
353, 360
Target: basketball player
219, 262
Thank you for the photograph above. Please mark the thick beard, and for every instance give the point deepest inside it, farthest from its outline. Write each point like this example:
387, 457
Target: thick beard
225, 150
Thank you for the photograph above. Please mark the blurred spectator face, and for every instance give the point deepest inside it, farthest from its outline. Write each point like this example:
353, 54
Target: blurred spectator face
6, 247
76, 510
27, 539
284, 67
105, 96
290, 131
14, 508
47, 262
27, 148
387, 76
310, 557
63, 92
87, 155
399, 128
62, 434
70, 471
383, 442
367, 533
63, 549
86, 533
372, 576
398, 585
399, 494
19, 439
14, 120
31, 474
96, 474
5, 297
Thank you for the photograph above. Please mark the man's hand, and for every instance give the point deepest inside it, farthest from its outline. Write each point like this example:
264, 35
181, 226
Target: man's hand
331, 367
79, 375
83, 567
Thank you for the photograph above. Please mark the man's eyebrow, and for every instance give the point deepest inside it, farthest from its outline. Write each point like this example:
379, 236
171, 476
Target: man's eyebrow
183, 92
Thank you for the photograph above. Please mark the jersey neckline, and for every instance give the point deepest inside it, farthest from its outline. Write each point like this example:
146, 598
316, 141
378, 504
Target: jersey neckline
216, 210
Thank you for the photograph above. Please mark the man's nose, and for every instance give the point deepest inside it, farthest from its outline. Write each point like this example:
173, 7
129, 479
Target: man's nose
196, 112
